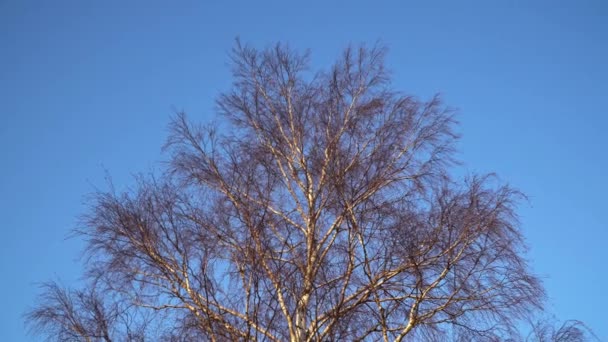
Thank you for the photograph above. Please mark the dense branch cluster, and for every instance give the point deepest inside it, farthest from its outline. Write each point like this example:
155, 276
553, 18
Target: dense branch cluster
322, 211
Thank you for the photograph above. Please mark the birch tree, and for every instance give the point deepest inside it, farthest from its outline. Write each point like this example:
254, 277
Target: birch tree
319, 207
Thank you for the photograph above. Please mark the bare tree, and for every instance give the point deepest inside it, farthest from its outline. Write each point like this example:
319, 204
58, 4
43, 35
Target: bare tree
322, 211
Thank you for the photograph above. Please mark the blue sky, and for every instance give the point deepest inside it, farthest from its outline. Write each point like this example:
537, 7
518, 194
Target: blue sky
88, 86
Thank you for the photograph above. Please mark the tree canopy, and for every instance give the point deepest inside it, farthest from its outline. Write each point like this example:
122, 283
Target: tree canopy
320, 207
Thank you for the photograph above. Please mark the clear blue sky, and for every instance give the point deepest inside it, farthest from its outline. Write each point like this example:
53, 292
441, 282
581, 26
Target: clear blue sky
90, 85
